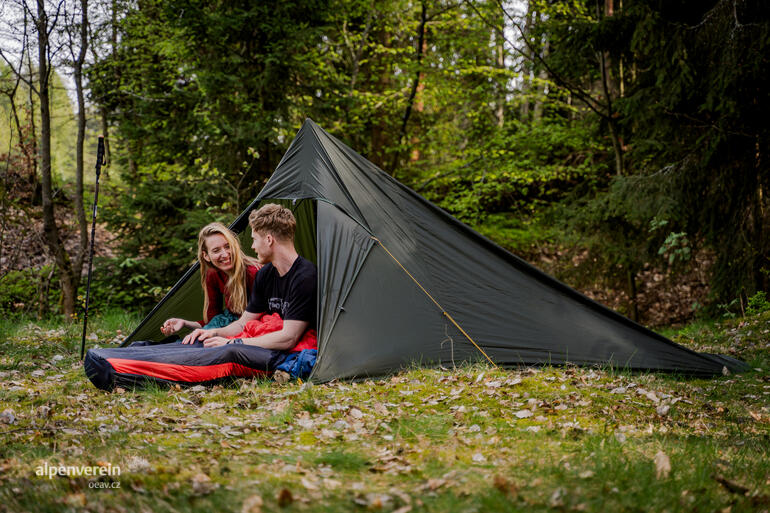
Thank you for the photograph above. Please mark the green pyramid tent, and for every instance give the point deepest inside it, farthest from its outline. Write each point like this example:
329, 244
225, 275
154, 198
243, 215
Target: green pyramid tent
402, 282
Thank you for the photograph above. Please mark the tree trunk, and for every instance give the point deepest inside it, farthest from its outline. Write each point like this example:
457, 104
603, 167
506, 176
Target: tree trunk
633, 303
415, 86
542, 76
500, 64
528, 65
38, 187
79, 172
51, 230
379, 128
609, 91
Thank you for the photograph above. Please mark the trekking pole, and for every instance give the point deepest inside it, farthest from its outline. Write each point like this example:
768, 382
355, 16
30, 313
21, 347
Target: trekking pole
99, 162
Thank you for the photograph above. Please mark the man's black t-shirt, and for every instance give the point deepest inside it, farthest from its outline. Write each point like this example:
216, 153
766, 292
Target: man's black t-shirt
292, 296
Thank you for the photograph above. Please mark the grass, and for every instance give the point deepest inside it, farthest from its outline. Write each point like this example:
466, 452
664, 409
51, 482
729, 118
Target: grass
421, 440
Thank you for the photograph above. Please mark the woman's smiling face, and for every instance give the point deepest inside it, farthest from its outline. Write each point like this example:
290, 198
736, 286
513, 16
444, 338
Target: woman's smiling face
218, 252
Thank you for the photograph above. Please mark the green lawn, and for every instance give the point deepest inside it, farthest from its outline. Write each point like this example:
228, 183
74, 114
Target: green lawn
471, 439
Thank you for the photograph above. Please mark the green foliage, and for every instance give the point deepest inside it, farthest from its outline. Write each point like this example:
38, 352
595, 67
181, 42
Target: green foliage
758, 304
21, 291
204, 98
696, 119
127, 283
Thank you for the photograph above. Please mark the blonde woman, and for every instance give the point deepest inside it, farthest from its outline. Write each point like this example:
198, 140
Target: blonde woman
227, 275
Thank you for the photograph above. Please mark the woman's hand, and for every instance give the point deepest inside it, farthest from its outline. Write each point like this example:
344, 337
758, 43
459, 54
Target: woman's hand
174, 324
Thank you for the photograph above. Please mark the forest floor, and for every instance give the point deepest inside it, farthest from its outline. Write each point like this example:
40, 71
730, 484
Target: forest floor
470, 439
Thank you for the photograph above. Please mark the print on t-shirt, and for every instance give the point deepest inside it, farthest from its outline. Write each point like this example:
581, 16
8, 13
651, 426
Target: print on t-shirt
292, 296
277, 304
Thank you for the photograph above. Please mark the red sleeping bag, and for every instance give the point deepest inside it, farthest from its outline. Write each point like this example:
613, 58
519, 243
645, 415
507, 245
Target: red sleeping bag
190, 364
273, 322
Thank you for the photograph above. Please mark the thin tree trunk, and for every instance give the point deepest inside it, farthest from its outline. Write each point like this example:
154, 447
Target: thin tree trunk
633, 302
419, 106
500, 64
617, 146
51, 230
79, 209
380, 123
415, 85
37, 194
527, 65
542, 76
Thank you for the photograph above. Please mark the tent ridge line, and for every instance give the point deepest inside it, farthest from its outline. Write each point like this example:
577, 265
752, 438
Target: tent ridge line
443, 310
313, 126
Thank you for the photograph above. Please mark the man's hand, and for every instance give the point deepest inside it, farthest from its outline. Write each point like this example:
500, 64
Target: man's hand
215, 341
172, 325
199, 334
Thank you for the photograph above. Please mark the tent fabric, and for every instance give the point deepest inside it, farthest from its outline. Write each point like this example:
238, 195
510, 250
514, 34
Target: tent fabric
393, 268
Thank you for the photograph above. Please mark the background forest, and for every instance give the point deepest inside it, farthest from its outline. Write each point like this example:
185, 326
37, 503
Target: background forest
619, 144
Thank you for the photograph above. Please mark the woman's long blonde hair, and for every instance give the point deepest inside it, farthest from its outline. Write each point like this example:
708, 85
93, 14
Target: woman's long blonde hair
236, 280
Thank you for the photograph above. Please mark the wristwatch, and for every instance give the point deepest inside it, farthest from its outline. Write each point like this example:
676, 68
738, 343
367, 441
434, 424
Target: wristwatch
235, 341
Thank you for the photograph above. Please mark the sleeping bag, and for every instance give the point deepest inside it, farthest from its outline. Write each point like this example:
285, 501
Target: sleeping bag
190, 364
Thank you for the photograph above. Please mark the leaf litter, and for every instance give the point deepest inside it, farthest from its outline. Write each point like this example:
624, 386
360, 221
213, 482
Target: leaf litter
392, 444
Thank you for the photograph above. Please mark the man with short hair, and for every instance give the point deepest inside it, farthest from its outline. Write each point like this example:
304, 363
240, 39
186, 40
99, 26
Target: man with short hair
286, 285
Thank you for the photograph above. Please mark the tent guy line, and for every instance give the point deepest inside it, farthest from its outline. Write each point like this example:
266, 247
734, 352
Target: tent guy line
443, 311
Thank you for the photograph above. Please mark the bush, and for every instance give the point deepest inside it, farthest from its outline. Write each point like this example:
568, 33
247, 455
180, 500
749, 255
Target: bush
22, 291
125, 283
757, 304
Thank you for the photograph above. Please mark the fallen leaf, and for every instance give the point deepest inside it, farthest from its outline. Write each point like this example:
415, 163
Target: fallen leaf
284, 497
479, 458
504, 486
355, 413
307, 483
373, 500
435, 484
731, 486
7, 417
557, 498
663, 410
306, 423
380, 409
523, 414
77, 500
252, 504
331, 484
137, 464
662, 465
203, 485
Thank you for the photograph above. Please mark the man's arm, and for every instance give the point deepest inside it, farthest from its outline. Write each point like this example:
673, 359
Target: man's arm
230, 330
281, 340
